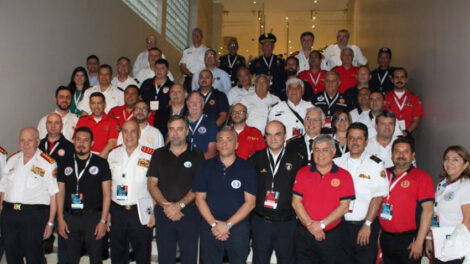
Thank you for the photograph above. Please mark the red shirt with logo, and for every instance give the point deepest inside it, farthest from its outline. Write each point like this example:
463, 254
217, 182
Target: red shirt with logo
121, 115
107, 128
317, 80
410, 103
322, 194
250, 140
348, 77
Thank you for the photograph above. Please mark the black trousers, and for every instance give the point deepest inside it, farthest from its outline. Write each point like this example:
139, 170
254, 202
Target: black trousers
310, 251
272, 236
22, 233
353, 253
456, 261
82, 229
184, 232
395, 248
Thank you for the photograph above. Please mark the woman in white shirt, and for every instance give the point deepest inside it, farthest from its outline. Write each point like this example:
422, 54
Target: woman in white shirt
452, 205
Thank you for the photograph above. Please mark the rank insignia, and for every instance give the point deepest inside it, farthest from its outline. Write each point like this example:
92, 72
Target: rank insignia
364, 176
143, 163
288, 166
47, 158
38, 171
341, 101
147, 150
263, 170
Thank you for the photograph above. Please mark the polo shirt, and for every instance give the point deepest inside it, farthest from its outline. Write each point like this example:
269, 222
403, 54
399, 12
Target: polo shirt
317, 80
225, 187
215, 102
449, 201
149, 91
57, 150
201, 135
348, 77
121, 115
329, 106
322, 194
381, 80
405, 198
175, 174
107, 128
412, 107
250, 140
221, 81
230, 64
163, 115
89, 184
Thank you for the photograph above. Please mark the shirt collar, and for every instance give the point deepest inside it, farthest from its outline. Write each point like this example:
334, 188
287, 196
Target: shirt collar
313, 168
391, 169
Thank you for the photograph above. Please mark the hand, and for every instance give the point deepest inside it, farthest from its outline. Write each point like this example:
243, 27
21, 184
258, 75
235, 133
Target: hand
172, 211
63, 229
429, 249
315, 229
222, 237
108, 225
416, 250
220, 229
151, 222
100, 230
363, 236
47, 232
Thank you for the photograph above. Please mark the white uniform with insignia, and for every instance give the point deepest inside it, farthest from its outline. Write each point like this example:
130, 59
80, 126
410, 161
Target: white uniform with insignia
149, 136
123, 85
69, 122
449, 201
31, 183
194, 58
148, 73
303, 61
333, 57
236, 94
129, 174
142, 61
3, 160
221, 80
354, 114
114, 97
283, 113
258, 109
383, 153
370, 180
367, 119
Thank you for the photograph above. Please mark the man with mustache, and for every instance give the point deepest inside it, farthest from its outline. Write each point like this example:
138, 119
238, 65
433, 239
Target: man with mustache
292, 68
406, 105
360, 230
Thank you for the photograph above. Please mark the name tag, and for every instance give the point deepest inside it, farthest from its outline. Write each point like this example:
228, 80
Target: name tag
154, 105
271, 200
77, 201
121, 193
386, 213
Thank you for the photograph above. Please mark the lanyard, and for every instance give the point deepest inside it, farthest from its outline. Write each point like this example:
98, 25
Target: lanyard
400, 106
230, 64
79, 176
158, 87
394, 183
270, 63
381, 80
315, 82
276, 164
342, 149
47, 147
75, 99
332, 101
124, 115
195, 128
207, 97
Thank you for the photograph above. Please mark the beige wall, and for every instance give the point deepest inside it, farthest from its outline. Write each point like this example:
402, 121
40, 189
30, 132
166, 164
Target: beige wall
430, 39
41, 43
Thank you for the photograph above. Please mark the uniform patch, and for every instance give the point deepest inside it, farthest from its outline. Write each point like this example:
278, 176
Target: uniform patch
150, 140
3, 151
93, 170
449, 196
38, 171
61, 152
147, 150
263, 170
320, 98
335, 182
236, 184
364, 176
165, 90
188, 164
288, 166
211, 102
202, 130
382, 174
405, 184
341, 101
143, 163
68, 171
47, 158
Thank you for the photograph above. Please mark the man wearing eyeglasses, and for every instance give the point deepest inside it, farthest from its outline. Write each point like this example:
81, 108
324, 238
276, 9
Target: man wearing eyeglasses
250, 139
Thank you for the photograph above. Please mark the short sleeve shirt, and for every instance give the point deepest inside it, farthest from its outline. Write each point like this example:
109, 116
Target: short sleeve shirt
250, 140
107, 128
201, 135
215, 102
348, 78
412, 106
449, 201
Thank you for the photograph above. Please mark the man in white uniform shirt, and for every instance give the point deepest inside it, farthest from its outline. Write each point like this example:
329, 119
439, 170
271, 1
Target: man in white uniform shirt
123, 79
292, 111
141, 62
333, 52
360, 231
221, 78
63, 99
154, 54
129, 164
149, 136
380, 145
192, 60
306, 39
113, 96
29, 188
244, 88
259, 103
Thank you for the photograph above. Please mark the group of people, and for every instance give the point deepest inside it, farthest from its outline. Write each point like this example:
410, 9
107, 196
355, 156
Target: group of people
311, 157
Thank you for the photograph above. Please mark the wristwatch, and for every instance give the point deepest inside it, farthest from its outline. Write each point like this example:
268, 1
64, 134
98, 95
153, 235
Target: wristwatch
214, 224
182, 205
229, 225
322, 225
367, 223
51, 224
104, 221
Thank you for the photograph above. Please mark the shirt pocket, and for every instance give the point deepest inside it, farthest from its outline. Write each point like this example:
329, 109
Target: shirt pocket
33, 182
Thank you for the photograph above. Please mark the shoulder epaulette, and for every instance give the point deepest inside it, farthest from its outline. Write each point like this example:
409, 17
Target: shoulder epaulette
115, 147
47, 158
293, 138
137, 81
147, 150
3, 151
375, 158
13, 154
120, 89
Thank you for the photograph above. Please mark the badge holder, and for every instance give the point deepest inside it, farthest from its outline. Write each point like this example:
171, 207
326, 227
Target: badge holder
121, 193
77, 201
297, 131
387, 211
271, 200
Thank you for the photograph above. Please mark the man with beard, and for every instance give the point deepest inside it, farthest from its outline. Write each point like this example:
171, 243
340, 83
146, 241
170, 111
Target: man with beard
315, 76
220, 79
292, 68
176, 106
250, 139
215, 101
155, 91
83, 200
63, 99
149, 135
232, 62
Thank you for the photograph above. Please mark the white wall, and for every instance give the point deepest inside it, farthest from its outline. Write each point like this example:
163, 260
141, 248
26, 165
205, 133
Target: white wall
430, 39
43, 41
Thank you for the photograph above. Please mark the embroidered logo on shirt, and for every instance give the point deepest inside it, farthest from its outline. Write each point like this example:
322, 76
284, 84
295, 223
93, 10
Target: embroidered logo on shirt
236, 184
38, 171
382, 174
211, 102
188, 164
288, 166
93, 170
143, 163
364, 176
449, 196
335, 182
202, 130
68, 171
405, 184
61, 152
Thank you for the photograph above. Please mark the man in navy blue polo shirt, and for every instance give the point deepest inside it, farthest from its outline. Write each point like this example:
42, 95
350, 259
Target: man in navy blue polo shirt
215, 102
202, 130
225, 188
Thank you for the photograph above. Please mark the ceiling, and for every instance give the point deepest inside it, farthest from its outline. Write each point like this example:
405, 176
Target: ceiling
284, 5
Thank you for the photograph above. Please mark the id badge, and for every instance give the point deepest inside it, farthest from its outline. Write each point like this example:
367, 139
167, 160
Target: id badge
401, 125
435, 221
386, 213
77, 201
327, 122
154, 105
121, 192
351, 206
297, 131
271, 200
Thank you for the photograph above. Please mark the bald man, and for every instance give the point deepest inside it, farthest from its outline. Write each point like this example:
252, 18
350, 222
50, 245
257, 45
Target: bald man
28, 188
55, 144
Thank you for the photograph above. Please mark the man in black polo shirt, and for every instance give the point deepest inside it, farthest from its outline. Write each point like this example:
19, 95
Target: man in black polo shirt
382, 76
273, 222
155, 91
82, 209
215, 102
170, 178
225, 188
55, 144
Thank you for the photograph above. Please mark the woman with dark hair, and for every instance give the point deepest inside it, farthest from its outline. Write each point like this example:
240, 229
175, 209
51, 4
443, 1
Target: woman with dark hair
452, 206
78, 85
339, 126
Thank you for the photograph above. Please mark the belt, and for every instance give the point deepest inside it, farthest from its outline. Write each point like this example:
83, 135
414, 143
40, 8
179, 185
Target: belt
411, 232
82, 212
274, 219
355, 223
126, 207
21, 207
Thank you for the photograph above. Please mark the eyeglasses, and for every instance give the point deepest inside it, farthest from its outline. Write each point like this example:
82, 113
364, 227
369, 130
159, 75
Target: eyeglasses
343, 119
238, 112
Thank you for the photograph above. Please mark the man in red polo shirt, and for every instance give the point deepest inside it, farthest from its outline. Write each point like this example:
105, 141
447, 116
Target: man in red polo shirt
406, 213
347, 72
315, 76
250, 139
406, 105
124, 112
322, 193
104, 127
